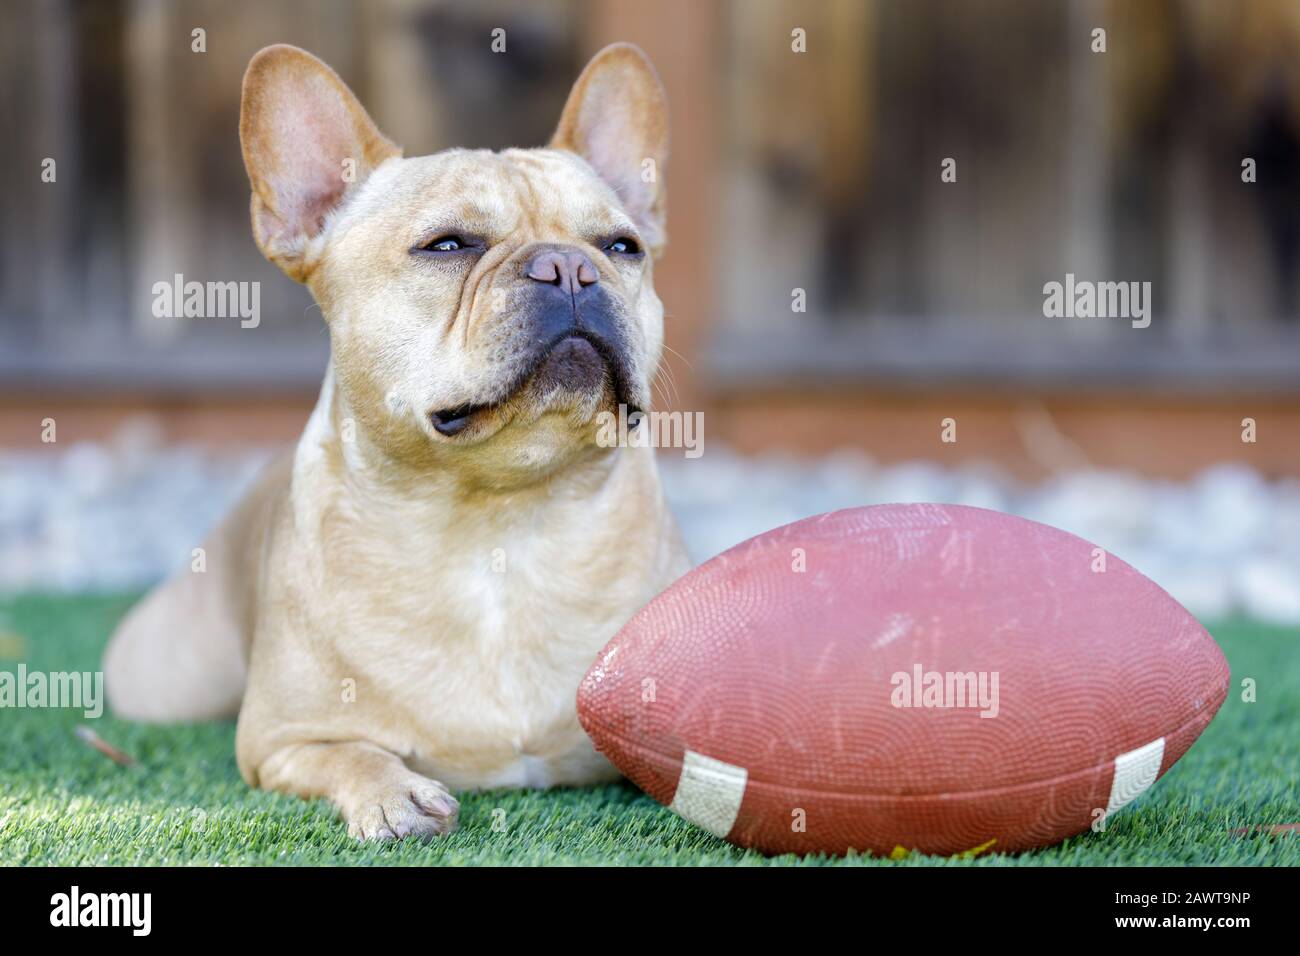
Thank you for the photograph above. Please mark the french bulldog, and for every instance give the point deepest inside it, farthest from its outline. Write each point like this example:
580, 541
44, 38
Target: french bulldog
405, 605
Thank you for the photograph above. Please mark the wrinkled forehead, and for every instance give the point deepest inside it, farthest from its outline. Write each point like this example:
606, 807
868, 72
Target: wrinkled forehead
544, 192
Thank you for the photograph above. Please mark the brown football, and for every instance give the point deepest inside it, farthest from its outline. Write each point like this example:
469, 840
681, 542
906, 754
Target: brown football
932, 677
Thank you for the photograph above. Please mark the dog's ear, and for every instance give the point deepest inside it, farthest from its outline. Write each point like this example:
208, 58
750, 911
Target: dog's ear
307, 142
617, 120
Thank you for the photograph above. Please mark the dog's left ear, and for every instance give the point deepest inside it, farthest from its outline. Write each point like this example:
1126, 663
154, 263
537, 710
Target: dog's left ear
617, 120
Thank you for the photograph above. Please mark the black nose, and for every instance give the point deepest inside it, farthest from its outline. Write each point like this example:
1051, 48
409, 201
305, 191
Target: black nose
569, 269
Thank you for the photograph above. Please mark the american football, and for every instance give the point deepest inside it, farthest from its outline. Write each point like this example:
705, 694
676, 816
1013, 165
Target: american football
932, 678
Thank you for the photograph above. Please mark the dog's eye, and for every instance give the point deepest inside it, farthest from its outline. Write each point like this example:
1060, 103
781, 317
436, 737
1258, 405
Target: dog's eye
623, 245
445, 244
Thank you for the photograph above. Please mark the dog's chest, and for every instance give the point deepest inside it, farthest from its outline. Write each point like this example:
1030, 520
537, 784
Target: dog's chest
479, 683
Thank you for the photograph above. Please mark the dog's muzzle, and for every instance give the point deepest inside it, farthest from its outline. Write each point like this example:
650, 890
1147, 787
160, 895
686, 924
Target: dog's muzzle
573, 337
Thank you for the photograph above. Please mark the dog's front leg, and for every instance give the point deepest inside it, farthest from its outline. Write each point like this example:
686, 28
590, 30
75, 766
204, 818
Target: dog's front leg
378, 795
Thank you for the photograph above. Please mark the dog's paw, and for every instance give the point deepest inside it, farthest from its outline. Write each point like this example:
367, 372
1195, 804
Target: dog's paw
413, 807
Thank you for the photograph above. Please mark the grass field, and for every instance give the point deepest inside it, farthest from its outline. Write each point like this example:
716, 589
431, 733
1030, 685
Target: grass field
62, 802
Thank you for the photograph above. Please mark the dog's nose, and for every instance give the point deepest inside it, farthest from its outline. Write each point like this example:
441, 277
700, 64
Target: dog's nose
569, 269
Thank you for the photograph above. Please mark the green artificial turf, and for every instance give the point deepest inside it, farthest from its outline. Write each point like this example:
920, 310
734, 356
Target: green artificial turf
63, 803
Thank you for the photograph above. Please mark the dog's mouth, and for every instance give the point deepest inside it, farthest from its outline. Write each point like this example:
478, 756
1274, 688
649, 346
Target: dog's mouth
453, 421
576, 362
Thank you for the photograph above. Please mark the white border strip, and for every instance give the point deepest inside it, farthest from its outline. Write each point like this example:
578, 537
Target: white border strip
709, 793
1135, 771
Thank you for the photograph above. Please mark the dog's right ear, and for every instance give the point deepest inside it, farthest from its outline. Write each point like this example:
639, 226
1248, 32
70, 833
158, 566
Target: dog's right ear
307, 141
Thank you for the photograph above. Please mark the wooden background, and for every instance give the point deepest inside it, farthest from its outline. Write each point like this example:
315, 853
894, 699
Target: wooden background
817, 171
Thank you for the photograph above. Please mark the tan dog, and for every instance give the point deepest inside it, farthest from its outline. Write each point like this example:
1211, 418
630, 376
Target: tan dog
407, 604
